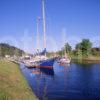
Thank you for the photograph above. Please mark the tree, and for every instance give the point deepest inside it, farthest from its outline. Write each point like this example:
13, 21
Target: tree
96, 51
78, 46
6, 49
68, 48
85, 47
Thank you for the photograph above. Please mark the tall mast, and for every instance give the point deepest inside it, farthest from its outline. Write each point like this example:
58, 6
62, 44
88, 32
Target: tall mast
38, 36
44, 23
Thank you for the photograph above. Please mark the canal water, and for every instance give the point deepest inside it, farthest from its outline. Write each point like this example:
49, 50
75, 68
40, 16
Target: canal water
71, 82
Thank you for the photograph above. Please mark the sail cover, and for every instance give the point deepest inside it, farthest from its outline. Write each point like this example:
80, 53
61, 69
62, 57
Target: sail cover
43, 52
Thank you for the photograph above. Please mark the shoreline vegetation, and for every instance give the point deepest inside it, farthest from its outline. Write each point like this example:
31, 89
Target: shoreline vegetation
83, 52
13, 85
90, 59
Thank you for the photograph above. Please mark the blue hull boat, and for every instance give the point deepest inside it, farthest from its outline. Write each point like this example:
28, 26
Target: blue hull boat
47, 64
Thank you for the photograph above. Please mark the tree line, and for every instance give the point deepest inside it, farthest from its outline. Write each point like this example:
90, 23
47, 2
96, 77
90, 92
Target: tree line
84, 49
6, 49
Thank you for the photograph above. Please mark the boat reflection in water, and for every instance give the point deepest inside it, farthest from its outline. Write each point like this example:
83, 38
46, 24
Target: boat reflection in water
47, 71
64, 64
37, 71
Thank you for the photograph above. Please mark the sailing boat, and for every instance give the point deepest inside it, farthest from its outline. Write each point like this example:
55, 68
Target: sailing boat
45, 62
65, 59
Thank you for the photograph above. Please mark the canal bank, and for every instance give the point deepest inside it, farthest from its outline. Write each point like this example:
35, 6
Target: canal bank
13, 85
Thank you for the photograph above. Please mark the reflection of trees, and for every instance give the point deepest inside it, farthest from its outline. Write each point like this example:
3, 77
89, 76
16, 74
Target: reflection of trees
85, 77
38, 84
45, 86
42, 87
45, 89
66, 73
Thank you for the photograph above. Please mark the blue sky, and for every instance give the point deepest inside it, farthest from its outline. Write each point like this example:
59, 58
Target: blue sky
66, 20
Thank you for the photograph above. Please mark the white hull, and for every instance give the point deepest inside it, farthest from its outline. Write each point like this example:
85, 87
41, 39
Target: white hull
65, 60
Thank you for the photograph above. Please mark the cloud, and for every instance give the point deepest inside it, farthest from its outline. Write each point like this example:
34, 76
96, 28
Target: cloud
28, 41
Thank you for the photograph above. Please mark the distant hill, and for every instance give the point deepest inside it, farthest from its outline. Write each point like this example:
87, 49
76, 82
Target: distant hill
6, 49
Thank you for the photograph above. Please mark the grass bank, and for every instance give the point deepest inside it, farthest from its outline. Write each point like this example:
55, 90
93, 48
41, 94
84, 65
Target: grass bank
90, 59
13, 85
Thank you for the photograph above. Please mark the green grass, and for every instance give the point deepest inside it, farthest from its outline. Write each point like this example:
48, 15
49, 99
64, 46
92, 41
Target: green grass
13, 85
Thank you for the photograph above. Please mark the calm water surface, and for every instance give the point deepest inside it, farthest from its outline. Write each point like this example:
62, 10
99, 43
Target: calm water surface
72, 82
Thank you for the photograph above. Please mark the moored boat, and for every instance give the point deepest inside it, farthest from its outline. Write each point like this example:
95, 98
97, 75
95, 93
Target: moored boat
47, 63
65, 60
41, 60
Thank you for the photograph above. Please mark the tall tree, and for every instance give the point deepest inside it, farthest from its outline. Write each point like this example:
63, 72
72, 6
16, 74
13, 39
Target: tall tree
85, 47
68, 48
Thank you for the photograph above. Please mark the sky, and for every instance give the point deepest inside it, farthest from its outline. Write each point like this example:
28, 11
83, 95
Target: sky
66, 21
